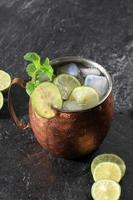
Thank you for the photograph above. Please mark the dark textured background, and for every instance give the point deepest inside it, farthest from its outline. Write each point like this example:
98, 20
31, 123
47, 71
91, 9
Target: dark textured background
101, 30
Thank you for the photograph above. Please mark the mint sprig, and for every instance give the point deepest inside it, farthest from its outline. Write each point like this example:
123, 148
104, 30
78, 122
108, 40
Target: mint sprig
37, 70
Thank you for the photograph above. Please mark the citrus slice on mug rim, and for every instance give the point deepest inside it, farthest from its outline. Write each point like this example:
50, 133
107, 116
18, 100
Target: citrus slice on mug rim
44, 98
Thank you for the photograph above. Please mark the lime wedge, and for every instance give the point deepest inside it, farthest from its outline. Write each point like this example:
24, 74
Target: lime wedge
86, 96
106, 190
109, 158
44, 97
66, 83
107, 170
1, 100
5, 80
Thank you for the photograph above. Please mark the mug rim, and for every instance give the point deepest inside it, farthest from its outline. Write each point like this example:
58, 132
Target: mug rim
88, 62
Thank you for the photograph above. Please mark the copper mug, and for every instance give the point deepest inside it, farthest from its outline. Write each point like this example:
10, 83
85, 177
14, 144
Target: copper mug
70, 134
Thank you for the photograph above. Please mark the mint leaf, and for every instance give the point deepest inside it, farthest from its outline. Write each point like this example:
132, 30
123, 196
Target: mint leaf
37, 71
30, 86
33, 57
46, 62
36, 83
47, 68
30, 69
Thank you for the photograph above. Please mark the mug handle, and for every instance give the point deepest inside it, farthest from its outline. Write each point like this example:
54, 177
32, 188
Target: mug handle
19, 124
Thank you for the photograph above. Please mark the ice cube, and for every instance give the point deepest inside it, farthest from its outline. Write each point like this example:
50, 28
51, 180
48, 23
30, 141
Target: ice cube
90, 71
71, 69
99, 83
72, 106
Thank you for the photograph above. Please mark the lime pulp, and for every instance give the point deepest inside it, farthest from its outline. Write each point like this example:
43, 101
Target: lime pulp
66, 83
85, 95
107, 170
5, 80
106, 190
109, 158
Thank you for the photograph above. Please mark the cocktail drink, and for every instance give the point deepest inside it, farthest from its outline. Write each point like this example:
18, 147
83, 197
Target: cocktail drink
71, 111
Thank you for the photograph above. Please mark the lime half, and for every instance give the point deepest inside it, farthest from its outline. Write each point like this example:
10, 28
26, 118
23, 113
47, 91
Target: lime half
44, 97
106, 190
5, 80
66, 83
107, 170
1, 100
86, 96
109, 158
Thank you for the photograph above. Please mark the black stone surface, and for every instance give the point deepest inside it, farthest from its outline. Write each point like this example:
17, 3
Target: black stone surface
101, 30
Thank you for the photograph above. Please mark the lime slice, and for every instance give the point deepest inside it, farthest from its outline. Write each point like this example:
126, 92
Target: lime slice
44, 97
107, 170
106, 190
109, 158
1, 100
5, 80
86, 96
66, 83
